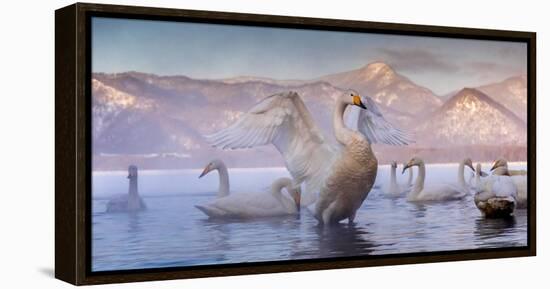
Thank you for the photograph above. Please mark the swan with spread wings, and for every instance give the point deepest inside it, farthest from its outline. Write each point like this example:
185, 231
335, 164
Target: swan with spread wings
338, 177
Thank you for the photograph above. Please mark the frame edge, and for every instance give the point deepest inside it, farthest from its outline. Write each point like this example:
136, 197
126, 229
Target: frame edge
70, 176
65, 148
532, 141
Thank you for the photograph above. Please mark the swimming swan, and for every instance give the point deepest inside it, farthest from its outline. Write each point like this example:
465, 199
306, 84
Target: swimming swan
436, 192
519, 177
495, 195
339, 177
130, 202
250, 205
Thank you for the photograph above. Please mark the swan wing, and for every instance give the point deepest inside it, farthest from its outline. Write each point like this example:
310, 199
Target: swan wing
498, 186
504, 187
376, 128
245, 205
441, 192
520, 182
283, 120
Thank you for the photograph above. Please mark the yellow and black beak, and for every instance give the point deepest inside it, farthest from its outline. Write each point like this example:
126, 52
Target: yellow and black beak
205, 171
405, 168
357, 101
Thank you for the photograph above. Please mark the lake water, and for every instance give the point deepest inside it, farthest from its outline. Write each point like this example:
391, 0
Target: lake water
172, 232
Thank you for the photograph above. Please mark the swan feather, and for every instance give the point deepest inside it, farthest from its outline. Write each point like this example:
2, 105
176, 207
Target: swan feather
284, 120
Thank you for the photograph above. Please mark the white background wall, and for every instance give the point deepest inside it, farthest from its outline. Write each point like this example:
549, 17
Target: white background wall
27, 144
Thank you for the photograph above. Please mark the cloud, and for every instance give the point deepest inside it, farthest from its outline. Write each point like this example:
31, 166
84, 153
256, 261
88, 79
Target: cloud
417, 60
510, 51
487, 70
492, 67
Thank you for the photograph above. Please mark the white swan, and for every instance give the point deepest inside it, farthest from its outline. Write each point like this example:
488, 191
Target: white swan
250, 205
519, 177
436, 192
393, 189
130, 202
495, 195
342, 175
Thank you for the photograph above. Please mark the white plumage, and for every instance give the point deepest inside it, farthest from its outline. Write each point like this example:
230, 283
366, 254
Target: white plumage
250, 205
518, 178
421, 192
284, 121
495, 195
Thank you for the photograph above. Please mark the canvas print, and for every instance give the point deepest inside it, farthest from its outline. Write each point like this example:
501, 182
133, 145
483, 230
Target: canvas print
216, 144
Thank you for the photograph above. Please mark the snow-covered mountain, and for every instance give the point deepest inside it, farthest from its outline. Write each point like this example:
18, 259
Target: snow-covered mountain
511, 92
124, 123
109, 102
145, 114
387, 87
471, 117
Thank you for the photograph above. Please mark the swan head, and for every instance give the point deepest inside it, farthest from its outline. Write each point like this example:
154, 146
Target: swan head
132, 172
212, 165
351, 97
412, 162
468, 163
500, 167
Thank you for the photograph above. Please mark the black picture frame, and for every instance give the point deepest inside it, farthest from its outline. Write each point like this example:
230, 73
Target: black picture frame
73, 129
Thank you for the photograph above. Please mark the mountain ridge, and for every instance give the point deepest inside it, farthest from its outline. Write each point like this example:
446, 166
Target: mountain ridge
387, 87
145, 113
472, 117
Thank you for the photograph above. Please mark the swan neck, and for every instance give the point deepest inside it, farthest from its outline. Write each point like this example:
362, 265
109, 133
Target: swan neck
393, 180
419, 184
460, 176
276, 191
277, 194
341, 132
409, 181
224, 181
133, 189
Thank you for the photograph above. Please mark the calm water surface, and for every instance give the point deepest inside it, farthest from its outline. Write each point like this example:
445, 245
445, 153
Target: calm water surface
172, 232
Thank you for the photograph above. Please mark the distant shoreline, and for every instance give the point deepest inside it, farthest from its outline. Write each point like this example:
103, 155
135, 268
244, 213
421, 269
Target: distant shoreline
198, 170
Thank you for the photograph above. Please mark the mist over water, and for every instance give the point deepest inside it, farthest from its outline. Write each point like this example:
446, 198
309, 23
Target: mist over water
172, 232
